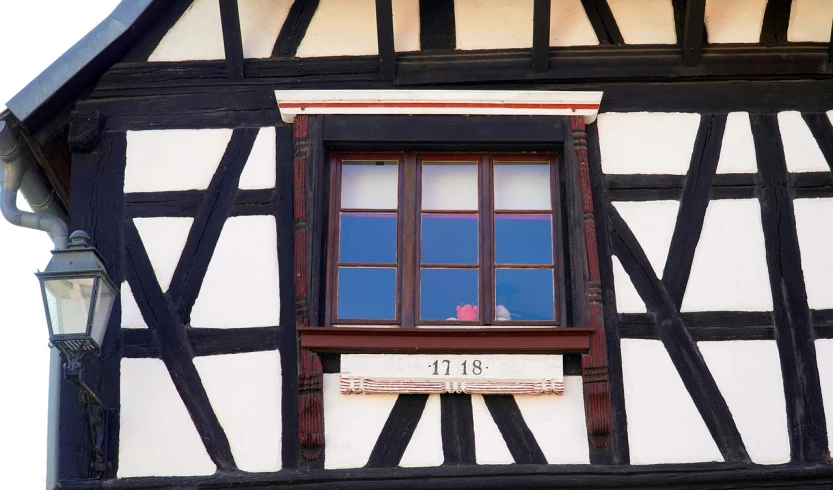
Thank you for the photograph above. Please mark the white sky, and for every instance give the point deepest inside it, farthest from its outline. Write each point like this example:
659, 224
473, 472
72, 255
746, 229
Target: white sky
35, 33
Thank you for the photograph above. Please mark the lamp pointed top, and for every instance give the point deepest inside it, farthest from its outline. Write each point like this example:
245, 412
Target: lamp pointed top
79, 239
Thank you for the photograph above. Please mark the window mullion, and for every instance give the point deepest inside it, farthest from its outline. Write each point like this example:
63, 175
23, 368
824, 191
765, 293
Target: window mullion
408, 239
487, 303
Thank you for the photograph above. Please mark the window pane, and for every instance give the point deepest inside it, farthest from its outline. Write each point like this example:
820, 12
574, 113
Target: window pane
367, 293
369, 185
449, 186
368, 238
524, 294
522, 186
449, 239
443, 290
523, 239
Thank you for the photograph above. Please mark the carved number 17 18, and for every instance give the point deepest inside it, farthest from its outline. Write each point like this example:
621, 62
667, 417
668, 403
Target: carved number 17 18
476, 368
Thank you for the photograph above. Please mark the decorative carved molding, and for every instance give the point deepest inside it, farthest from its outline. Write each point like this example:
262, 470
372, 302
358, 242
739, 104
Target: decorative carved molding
85, 128
310, 372
594, 371
366, 386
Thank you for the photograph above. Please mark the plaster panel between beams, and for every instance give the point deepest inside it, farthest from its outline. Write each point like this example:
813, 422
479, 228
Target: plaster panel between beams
261, 167
245, 393
198, 34
352, 424
729, 272
348, 28
627, 297
240, 288
652, 223
173, 159
131, 317
737, 153
426, 446
164, 239
647, 142
815, 235
645, 21
156, 435
489, 446
664, 425
748, 374
810, 21
734, 21
800, 148
558, 423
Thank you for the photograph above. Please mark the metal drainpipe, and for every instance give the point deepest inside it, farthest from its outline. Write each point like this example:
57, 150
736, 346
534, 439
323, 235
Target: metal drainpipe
16, 169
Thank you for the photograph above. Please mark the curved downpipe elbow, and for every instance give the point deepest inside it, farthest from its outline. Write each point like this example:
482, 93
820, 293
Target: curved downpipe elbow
12, 168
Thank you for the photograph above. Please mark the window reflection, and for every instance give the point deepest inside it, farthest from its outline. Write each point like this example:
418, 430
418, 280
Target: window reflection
522, 186
523, 239
525, 294
449, 186
369, 185
367, 293
449, 239
368, 238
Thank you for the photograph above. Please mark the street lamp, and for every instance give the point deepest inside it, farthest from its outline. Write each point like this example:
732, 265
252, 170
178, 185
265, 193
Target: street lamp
78, 296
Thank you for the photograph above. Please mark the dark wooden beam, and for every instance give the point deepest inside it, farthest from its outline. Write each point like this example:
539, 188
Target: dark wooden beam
776, 22
678, 341
541, 36
232, 39
397, 432
603, 22
384, 38
437, 26
140, 343
686, 476
793, 322
294, 27
704, 326
249, 202
457, 429
693, 27
516, 434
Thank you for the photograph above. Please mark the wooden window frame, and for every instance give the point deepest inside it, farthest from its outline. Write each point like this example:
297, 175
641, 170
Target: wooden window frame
408, 258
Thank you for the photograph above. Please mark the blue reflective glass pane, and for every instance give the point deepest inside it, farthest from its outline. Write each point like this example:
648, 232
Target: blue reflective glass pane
368, 238
523, 239
367, 293
449, 239
524, 294
443, 290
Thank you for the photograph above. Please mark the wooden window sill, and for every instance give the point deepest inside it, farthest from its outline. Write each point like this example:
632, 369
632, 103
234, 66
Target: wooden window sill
446, 340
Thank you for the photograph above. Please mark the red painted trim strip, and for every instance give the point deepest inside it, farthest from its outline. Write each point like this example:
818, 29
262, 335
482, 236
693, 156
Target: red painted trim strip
437, 105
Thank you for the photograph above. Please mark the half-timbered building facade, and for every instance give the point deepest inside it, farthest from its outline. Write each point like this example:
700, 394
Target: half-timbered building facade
451, 243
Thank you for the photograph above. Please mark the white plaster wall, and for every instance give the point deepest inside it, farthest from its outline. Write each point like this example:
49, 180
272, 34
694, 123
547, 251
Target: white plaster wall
348, 28
647, 142
173, 159
426, 446
131, 317
245, 393
259, 172
748, 374
164, 239
652, 223
815, 236
810, 21
734, 21
627, 298
664, 425
558, 423
800, 148
156, 436
729, 270
240, 288
198, 34
824, 359
489, 446
503, 24
737, 153
645, 21
352, 424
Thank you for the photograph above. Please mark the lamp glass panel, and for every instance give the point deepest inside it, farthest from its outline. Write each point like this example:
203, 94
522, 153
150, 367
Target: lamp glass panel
68, 301
105, 298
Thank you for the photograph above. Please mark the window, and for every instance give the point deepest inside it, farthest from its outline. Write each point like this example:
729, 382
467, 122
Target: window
444, 239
